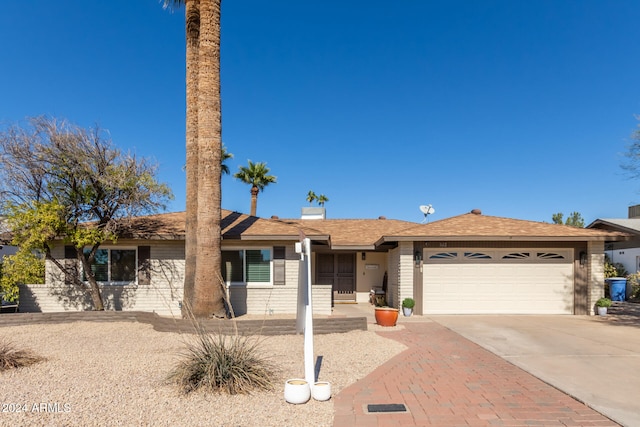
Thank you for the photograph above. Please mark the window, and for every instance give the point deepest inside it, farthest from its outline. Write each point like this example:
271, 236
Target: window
114, 265
476, 255
517, 255
444, 255
246, 266
550, 255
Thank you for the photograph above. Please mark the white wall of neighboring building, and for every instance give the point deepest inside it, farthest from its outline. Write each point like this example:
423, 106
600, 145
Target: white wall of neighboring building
630, 258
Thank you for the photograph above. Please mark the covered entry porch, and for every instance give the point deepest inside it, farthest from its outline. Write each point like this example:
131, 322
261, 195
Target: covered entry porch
351, 274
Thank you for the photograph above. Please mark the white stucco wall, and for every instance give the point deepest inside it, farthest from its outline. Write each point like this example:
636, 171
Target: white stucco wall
595, 279
164, 293
405, 288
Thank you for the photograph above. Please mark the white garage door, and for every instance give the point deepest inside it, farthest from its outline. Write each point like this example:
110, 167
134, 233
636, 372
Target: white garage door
506, 281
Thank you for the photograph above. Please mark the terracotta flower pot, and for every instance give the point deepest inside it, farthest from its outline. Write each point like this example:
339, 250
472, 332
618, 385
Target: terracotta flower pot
386, 316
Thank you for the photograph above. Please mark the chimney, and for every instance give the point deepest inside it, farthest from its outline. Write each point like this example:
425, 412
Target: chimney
313, 213
634, 211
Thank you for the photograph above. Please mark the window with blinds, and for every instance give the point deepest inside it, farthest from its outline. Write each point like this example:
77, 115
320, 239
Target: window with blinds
258, 265
113, 265
246, 266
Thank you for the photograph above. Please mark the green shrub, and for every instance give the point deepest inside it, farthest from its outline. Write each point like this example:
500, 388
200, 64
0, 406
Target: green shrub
221, 363
603, 302
612, 269
12, 357
22, 267
408, 302
609, 269
634, 281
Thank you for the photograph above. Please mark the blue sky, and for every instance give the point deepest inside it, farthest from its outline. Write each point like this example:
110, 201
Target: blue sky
519, 108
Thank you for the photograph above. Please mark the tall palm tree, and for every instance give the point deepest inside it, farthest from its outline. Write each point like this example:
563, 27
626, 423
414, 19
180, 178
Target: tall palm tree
224, 168
257, 175
203, 292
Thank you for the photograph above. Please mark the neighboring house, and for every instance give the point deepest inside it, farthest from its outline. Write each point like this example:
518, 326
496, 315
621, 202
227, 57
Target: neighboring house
7, 250
470, 263
625, 252
5, 240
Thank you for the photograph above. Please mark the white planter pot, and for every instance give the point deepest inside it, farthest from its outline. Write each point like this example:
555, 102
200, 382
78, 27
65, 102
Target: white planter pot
321, 390
296, 391
602, 311
407, 311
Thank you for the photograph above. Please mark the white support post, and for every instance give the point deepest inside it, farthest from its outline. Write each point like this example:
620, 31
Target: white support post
304, 318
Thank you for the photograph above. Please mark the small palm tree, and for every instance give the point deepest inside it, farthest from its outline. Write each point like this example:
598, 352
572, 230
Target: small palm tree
311, 196
223, 158
257, 175
322, 199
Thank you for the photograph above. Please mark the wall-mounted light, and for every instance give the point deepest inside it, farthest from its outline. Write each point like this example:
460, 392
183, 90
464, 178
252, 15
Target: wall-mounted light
583, 258
417, 258
364, 256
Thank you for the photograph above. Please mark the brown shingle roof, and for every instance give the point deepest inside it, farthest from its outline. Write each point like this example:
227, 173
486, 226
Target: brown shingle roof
474, 226
368, 233
351, 233
234, 226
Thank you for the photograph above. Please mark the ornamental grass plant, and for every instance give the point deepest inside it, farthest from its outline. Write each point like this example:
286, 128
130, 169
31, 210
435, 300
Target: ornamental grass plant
216, 362
13, 357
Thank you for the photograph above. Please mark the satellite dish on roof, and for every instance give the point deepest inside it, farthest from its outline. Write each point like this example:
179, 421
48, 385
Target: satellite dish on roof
426, 210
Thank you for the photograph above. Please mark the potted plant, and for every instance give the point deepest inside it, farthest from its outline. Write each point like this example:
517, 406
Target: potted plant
386, 316
407, 306
603, 304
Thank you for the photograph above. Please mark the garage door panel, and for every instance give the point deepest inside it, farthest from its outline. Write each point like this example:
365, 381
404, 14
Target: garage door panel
501, 288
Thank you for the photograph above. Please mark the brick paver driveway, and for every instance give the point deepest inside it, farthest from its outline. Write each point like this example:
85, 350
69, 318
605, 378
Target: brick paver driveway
444, 379
595, 359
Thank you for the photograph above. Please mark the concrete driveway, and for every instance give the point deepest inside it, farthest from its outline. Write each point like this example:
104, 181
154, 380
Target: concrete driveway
594, 359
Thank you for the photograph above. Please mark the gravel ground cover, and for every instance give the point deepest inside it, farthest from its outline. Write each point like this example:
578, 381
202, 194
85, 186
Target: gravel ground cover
100, 374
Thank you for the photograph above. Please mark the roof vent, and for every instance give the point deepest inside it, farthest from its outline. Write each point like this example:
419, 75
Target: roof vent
382, 217
476, 212
275, 217
634, 211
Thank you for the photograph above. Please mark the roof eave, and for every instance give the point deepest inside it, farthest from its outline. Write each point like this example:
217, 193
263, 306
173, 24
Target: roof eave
354, 247
277, 237
619, 227
386, 239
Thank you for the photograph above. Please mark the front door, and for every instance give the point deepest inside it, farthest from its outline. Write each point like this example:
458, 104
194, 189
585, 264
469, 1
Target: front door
339, 271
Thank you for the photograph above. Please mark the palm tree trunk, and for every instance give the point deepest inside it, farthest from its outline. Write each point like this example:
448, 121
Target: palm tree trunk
192, 25
208, 292
254, 200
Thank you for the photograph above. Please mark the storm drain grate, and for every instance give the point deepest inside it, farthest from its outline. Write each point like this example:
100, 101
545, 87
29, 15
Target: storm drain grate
386, 407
